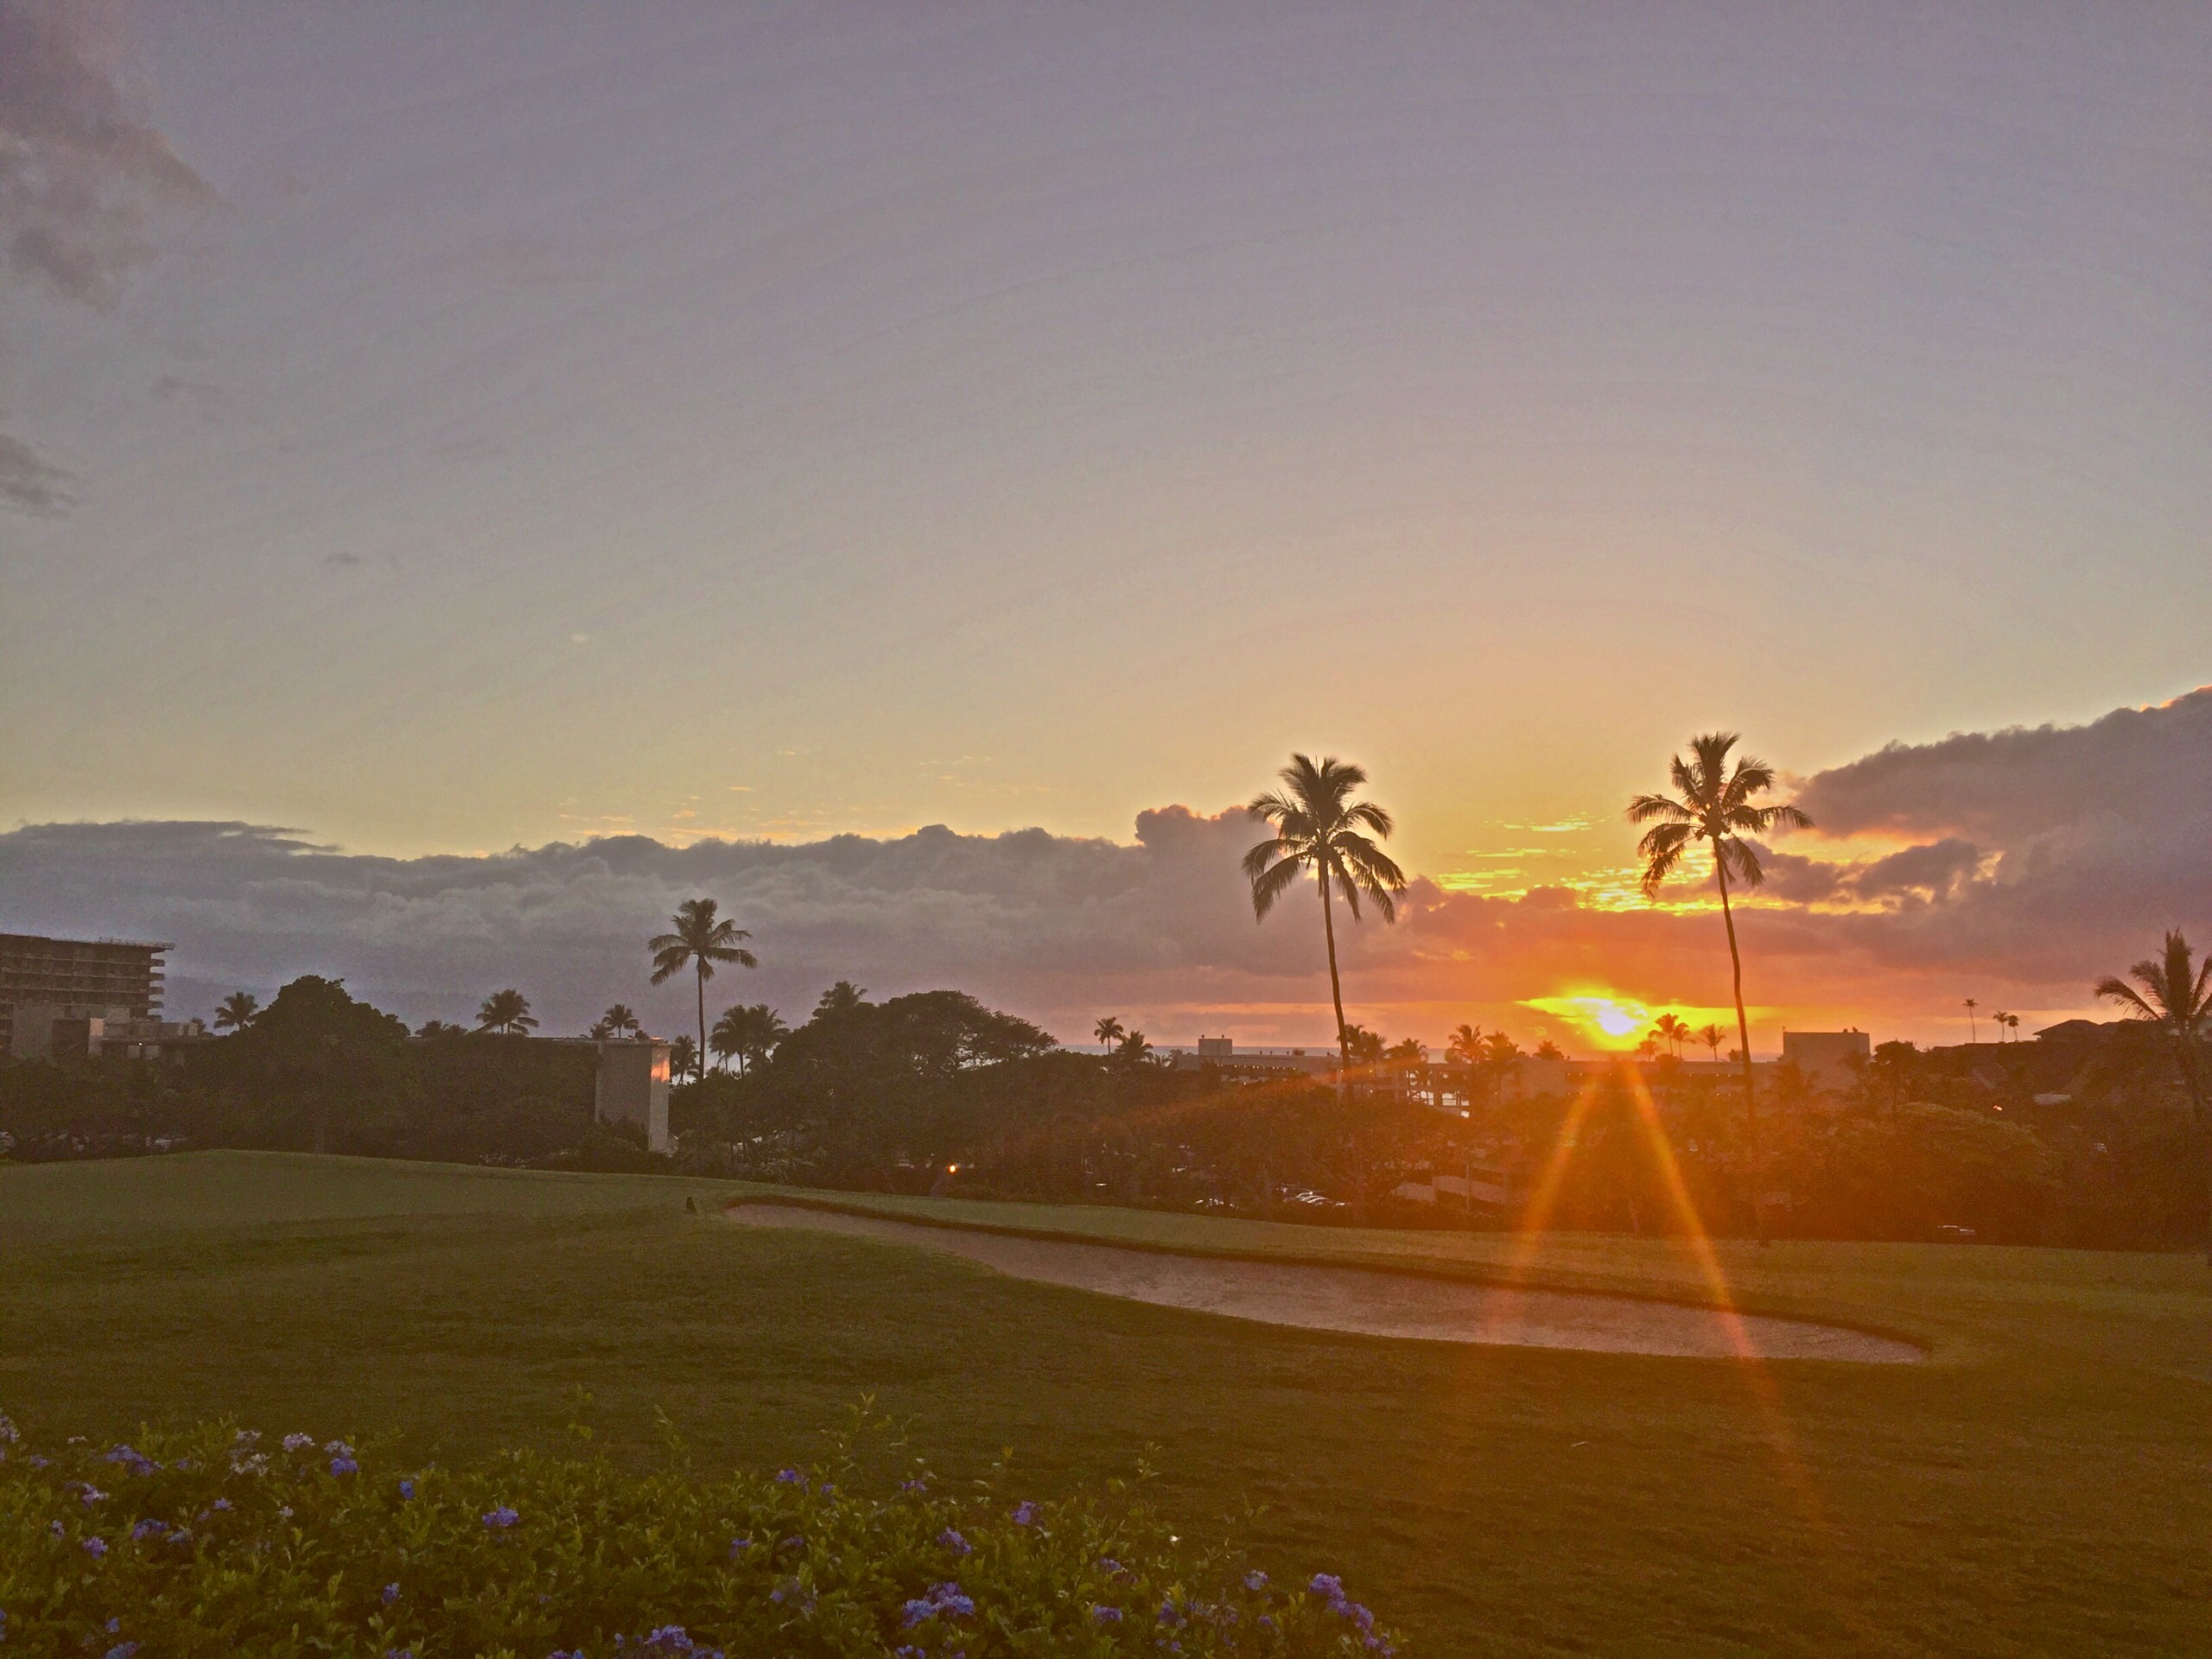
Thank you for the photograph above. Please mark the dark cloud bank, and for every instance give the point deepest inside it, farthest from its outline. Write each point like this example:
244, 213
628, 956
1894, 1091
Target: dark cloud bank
2033, 860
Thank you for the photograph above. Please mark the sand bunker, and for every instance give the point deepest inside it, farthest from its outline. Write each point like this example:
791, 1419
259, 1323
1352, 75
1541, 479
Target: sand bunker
1363, 1301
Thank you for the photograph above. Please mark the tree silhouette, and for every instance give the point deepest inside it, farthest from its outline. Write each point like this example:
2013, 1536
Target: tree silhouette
1548, 1050
1109, 1031
1711, 1037
506, 1013
1973, 1033
683, 1055
1673, 1032
1316, 824
620, 1021
747, 1033
843, 997
1713, 804
698, 941
1132, 1049
2011, 1026
2176, 996
1465, 1044
2000, 1020
235, 1011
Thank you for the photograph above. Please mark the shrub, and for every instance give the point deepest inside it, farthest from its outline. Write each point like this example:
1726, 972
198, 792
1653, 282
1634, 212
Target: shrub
217, 1542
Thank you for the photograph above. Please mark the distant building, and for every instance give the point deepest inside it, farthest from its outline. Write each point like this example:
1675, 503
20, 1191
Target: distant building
60, 998
632, 1084
1827, 1059
1222, 1050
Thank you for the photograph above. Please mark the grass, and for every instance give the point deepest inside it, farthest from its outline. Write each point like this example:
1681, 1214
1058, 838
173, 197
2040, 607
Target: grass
2042, 1486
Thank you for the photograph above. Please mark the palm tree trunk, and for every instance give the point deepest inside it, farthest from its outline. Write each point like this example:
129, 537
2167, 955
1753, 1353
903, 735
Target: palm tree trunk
699, 1063
1336, 990
1744, 1036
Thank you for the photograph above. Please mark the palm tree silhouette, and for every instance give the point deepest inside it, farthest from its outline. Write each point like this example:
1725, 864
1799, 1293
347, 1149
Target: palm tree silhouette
683, 1055
1109, 1031
698, 941
1714, 804
506, 1013
235, 1011
2000, 1020
2012, 1024
1711, 1037
1672, 1032
1974, 1034
1132, 1048
843, 998
1466, 1043
1318, 824
2171, 998
619, 1020
749, 1033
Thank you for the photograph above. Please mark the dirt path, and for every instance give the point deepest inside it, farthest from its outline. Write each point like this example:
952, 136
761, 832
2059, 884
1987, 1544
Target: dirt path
1363, 1300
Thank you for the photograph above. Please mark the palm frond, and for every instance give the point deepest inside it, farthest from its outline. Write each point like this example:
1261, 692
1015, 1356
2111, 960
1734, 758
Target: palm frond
1661, 850
1375, 817
1742, 860
1272, 883
1257, 862
2118, 990
1644, 808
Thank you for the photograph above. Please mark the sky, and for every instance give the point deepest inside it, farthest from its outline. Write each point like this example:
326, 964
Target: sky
439, 440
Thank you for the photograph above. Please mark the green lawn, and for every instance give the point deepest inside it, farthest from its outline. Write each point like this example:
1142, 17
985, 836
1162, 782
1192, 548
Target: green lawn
2043, 1485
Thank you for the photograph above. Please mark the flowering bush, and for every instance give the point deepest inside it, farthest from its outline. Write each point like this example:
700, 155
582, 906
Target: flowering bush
210, 1543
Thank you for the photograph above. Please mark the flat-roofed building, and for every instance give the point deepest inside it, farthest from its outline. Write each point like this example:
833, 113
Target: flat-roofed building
89, 993
1827, 1059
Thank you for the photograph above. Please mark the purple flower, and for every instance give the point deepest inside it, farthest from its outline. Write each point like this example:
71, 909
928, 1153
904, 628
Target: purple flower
91, 1496
1112, 1568
1256, 1580
738, 1547
910, 1615
1025, 1514
1103, 1614
96, 1548
344, 1466
789, 1477
919, 1484
953, 1541
298, 1442
122, 1650
391, 1594
408, 1653
1168, 1615
147, 1528
222, 1503
501, 1518
1329, 1584
407, 1492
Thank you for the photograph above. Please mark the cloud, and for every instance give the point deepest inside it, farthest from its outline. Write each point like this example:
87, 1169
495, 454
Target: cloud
2026, 888
29, 485
82, 180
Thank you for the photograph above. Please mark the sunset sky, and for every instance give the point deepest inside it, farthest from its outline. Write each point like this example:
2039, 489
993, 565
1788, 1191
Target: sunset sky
507, 426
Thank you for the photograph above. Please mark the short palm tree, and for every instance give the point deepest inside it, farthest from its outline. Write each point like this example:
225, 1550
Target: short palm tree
2176, 995
1318, 825
1711, 1037
619, 1020
1109, 1031
236, 1011
1465, 1044
698, 940
2013, 1026
1673, 1031
506, 1013
683, 1056
1713, 802
747, 1033
1132, 1048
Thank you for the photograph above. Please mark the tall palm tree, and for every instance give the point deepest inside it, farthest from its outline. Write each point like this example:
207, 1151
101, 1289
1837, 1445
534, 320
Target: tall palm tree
1973, 1033
1465, 1044
506, 1013
1499, 1052
1711, 1037
2000, 1020
2012, 1026
1316, 824
698, 941
2177, 997
1673, 1031
1713, 804
235, 1011
1109, 1031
